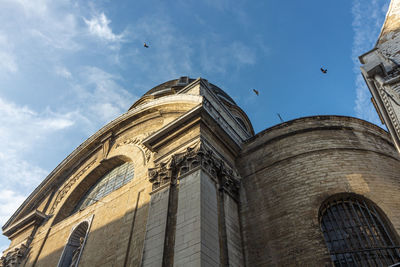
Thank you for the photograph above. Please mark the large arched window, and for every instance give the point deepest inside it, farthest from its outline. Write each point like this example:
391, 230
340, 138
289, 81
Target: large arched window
356, 234
113, 180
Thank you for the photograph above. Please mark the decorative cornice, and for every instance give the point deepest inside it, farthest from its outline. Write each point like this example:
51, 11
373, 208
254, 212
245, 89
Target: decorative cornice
388, 98
35, 217
65, 189
198, 156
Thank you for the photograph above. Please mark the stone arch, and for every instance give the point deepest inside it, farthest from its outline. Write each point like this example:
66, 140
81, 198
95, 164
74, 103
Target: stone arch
86, 183
76, 241
357, 232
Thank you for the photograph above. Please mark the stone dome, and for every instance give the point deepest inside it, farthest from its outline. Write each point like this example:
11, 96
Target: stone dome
174, 86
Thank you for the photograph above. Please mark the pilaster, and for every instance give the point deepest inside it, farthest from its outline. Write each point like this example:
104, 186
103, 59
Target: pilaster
193, 218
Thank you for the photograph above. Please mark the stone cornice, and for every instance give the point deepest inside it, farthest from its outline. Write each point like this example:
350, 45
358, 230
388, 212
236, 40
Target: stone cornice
35, 217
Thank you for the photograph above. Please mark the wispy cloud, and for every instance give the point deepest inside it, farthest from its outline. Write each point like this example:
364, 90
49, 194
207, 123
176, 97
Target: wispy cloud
20, 129
170, 53
218, 57
100, 97
63, 72
99, 26
9, 202
368, 18
7, 58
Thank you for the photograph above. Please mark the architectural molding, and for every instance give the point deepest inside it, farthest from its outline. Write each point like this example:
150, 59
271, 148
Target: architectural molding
34, 218
65, 189
139, 144
196, 156
106, 144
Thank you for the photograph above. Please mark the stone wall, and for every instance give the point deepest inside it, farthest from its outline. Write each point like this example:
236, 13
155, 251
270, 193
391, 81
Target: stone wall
290, 169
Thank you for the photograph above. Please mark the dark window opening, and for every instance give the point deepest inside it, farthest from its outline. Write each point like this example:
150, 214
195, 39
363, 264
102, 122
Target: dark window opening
356, 234
73, 250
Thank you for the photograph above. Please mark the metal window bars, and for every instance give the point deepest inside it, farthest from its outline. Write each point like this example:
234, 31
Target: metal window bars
356, 234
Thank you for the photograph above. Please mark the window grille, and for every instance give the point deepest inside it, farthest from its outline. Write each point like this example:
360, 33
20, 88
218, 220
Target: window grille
356, 234
113, 180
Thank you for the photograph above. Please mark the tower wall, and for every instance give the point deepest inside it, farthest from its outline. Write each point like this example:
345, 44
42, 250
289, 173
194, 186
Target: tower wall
290, 169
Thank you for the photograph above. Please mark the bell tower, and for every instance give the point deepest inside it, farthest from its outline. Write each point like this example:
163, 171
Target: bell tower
381, 71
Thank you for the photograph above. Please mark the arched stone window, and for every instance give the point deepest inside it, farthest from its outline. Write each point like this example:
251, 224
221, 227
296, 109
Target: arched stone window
73, 250
111, 181
357, 233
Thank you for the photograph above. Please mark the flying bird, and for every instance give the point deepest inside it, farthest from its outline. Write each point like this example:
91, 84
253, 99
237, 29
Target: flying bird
255, 91
324, 70
145, 45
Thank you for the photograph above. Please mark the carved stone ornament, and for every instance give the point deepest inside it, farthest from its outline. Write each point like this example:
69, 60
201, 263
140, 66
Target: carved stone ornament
14, 257
161, 175
106, 147
193, 157
138, 143
64, 190
386, 96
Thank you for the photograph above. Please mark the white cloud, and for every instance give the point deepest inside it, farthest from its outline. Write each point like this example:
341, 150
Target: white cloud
217, 57
9, 202
31, 7
7, 58
7, 62
63, 72
99, 26
242, 53
16, 172
100, 97
20, 129
368, 18
40, 23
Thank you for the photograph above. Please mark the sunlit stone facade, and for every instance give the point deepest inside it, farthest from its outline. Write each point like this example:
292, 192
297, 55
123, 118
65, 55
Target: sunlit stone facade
181, 179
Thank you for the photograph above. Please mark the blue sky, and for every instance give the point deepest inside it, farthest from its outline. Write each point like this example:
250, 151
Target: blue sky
68, 67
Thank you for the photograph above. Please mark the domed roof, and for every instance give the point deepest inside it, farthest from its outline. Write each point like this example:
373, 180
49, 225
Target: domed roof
174, 86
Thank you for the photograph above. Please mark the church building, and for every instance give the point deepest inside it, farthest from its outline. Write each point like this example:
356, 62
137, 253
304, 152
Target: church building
181, 179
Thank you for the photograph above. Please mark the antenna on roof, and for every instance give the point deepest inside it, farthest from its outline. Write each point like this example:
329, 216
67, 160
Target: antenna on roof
280, 117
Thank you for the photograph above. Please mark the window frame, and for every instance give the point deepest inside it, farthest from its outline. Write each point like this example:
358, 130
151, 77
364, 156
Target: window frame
105, 185
360, 229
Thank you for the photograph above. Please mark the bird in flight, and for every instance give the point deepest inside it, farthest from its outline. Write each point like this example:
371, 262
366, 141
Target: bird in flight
255, 91
324, 70
145, 45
